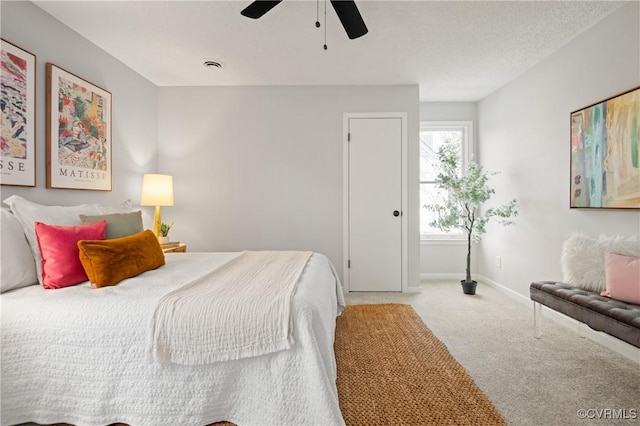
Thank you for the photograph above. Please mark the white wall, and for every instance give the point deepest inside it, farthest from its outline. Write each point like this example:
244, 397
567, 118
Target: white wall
524, 132
261, 167
449, 111
134, 99
441, 258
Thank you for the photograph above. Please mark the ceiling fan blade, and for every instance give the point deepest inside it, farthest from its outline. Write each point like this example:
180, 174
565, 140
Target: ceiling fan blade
350, 17
258, 8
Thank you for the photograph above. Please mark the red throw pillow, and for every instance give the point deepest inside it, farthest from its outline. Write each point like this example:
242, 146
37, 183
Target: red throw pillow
61, 266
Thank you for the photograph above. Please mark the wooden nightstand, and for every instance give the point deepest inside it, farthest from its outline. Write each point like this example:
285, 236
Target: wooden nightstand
174, 248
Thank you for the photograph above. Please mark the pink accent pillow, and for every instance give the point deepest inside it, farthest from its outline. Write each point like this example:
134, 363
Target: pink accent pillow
623, 278
61, 266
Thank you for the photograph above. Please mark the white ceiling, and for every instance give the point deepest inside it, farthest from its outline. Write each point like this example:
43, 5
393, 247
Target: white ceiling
455, 50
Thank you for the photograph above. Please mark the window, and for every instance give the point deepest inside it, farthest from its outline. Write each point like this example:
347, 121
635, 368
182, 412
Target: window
432, 136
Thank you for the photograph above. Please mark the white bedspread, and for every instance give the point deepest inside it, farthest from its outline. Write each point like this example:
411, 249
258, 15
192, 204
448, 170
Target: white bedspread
79, 355
241, 309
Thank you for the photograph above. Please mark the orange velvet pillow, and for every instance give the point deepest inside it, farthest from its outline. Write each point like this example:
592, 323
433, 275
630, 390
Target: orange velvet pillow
107, 262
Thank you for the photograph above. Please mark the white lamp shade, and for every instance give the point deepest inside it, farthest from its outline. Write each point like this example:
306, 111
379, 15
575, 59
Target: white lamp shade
157, 190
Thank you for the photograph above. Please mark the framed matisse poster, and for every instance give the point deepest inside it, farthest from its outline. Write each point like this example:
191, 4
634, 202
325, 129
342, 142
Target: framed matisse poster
605, 153
78, 132
18, 109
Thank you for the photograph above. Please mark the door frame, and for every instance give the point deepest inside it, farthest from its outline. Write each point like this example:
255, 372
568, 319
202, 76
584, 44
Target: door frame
403, 194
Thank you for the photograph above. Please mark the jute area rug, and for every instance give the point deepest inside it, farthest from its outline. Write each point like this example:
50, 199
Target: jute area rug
393, 371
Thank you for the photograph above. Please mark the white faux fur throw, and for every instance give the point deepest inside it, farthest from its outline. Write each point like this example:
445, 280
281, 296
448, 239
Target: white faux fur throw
240, 310
583, 258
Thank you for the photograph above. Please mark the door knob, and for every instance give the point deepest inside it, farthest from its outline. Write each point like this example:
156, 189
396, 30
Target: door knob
396, 213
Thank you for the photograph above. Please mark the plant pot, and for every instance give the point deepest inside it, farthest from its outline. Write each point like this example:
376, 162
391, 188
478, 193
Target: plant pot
163, 240
469, 288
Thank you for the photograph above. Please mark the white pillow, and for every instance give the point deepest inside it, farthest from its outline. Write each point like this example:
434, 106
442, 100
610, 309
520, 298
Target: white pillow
17, 265
147, 218
118, 208
28, 213
582, 258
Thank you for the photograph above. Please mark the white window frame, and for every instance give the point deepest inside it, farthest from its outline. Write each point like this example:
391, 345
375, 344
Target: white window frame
467, 154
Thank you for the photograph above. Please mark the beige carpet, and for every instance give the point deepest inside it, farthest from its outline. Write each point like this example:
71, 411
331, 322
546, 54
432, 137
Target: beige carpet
532, 382
393, 371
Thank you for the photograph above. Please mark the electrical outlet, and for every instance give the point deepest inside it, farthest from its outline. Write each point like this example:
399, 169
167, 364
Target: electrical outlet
499, 262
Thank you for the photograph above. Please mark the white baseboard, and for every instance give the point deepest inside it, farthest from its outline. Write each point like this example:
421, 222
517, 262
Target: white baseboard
505, 290
583, 330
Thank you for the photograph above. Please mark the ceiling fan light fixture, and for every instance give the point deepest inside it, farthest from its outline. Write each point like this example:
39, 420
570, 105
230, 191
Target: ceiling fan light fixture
346, 10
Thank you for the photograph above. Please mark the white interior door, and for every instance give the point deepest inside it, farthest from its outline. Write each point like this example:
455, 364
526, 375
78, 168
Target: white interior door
375, 204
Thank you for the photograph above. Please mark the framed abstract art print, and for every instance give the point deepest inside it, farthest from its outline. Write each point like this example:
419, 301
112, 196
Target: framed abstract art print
605, 153
78, 148
17, 107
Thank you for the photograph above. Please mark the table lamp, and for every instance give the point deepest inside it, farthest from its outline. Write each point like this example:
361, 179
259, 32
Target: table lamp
157, 190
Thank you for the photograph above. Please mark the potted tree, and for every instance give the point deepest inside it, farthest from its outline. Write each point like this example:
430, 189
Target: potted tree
464, 195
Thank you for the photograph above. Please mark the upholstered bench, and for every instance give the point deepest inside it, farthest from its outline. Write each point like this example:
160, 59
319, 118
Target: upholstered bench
616, 318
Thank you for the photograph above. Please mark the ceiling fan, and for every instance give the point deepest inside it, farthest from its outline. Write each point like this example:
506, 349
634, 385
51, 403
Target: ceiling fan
346, 10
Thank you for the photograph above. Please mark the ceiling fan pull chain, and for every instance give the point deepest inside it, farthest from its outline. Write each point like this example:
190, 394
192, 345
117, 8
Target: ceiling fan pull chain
317, 13
325, 24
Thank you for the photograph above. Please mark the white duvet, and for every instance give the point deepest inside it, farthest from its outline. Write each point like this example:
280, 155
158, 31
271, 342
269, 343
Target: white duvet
79, 355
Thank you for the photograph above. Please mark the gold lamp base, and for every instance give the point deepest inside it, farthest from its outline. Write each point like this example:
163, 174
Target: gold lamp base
157, 221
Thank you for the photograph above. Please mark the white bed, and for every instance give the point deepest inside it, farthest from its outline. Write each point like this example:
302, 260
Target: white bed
80, 355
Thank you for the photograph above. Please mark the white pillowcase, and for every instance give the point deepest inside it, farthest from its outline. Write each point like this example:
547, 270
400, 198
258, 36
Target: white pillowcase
28, 213
17, 267
582, 258
118, 208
